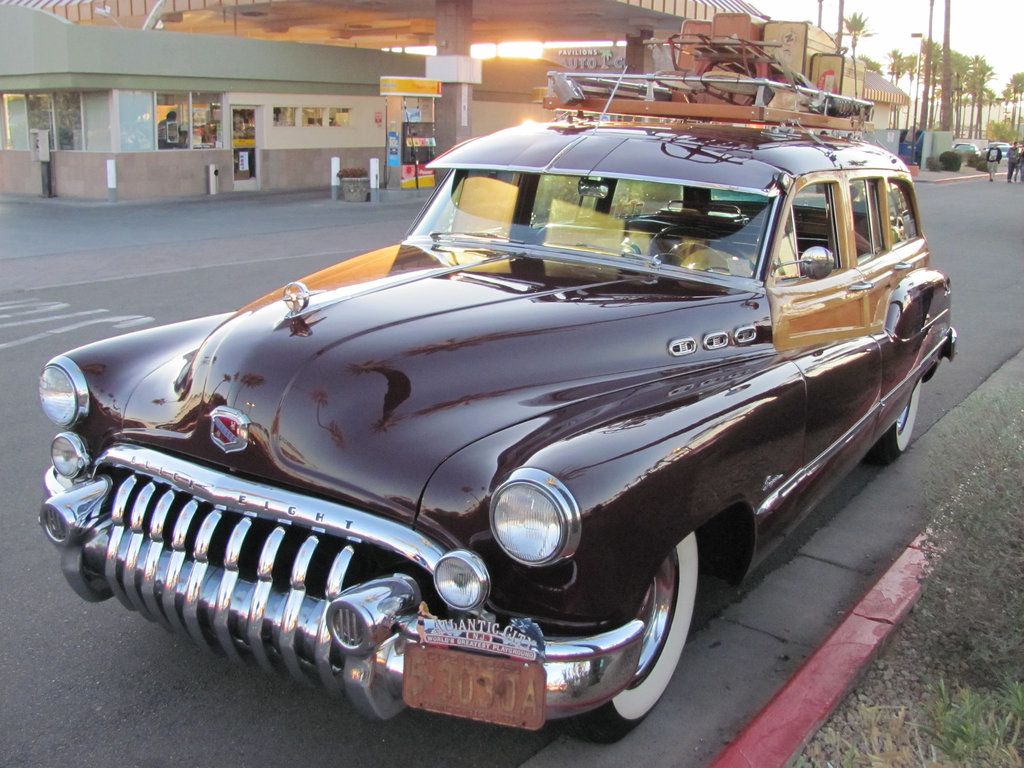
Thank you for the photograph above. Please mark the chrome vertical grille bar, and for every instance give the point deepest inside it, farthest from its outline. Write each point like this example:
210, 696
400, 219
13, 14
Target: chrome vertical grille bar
293, 606
151, 584
226, 591
194, 589
136, 539
322, 654
176, 563
260, 596
116, 533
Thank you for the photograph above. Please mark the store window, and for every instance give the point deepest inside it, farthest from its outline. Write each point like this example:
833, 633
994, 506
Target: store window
67, 108
15, 121
40, 113
96, 120
338, 117
206, 109
172, 128
284, 117
313, 116
135, 117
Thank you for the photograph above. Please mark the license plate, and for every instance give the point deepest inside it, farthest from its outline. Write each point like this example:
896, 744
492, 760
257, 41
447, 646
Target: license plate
491, 689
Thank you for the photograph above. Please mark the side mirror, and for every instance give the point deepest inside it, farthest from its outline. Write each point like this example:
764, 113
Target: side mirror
817, 262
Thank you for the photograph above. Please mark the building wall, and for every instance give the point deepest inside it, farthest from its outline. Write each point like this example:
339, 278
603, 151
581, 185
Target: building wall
64, 57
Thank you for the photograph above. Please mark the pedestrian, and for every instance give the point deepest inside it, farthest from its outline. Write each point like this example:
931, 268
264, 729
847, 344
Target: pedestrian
993, 156
1012, 162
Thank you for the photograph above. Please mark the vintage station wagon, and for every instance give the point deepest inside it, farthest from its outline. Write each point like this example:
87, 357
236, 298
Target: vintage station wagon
480, 472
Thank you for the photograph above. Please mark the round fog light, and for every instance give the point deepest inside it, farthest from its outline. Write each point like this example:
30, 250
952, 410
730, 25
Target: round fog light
462, 581
68, 454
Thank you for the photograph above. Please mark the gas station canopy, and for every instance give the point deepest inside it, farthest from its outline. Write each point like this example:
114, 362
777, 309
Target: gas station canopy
396, 23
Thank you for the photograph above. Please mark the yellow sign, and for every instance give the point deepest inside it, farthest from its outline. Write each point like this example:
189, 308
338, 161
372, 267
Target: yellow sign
409, 86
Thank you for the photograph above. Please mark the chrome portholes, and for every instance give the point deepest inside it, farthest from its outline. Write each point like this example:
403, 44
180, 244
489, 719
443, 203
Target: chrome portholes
713, 340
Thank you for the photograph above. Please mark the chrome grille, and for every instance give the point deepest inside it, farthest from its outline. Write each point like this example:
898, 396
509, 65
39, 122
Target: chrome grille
250, 587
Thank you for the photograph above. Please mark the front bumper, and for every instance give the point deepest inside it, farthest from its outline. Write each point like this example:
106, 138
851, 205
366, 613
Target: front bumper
232, 564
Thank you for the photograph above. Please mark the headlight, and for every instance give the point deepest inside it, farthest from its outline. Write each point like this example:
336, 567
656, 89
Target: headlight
63, 392
534, 517
462, 581
68, 454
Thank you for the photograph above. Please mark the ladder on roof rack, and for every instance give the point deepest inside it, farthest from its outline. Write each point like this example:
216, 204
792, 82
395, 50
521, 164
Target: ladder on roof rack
734, 81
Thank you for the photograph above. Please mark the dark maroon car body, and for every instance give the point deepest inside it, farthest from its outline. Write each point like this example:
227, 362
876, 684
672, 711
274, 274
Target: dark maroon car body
409, 384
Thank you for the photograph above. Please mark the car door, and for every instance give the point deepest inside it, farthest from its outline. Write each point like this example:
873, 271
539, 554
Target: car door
890, 254
823, 324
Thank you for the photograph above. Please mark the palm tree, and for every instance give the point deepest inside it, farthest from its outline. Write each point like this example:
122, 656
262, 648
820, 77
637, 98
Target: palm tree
912, 70
946, 120
960, 68
839, 33
1017, 87
857, 26
979, 74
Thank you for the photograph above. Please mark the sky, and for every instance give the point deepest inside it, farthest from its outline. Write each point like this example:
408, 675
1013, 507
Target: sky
973, 32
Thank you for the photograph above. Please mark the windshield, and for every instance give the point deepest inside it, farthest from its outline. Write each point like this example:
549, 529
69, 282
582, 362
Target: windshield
700, 228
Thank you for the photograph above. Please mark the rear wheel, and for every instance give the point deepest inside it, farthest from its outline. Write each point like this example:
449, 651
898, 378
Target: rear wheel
667, 611
896, 439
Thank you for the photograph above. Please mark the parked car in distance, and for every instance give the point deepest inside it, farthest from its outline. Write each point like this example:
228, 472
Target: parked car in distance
481, 471
966, 149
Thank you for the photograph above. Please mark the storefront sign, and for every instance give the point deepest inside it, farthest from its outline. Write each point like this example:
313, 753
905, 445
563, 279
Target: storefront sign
409, 86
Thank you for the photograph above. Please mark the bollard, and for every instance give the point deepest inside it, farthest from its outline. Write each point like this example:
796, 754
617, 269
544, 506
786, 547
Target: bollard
211, 178
335, 181
111, 180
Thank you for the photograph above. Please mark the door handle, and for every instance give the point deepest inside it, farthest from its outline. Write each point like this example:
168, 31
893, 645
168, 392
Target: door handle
860, 287
901, 266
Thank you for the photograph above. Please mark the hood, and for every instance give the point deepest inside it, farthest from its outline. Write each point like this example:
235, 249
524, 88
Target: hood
398, 362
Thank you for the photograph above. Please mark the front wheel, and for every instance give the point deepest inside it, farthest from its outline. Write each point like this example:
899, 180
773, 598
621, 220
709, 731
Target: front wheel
667, 611
896, 440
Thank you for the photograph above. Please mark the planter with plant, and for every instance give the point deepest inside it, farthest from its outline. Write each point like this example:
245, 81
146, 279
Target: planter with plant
355, 185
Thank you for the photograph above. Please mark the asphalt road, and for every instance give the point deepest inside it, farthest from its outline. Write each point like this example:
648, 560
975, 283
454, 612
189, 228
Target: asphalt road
93, 684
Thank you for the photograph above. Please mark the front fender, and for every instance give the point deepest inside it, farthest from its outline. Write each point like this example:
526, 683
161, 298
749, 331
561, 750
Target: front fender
646, 469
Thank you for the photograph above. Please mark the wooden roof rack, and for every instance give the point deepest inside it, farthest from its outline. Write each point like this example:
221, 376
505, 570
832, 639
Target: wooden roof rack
734, 81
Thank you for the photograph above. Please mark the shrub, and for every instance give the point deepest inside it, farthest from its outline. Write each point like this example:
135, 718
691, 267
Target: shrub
352, 173
933, 164
950, 161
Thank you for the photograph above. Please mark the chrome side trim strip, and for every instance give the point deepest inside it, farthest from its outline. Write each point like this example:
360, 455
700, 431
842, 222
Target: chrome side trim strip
276, 504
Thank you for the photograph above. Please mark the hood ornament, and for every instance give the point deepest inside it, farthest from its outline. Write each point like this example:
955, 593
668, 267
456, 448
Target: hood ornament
229, 429
296, 298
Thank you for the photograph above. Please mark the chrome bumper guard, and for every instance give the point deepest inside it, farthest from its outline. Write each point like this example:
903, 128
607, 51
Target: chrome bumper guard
169, 541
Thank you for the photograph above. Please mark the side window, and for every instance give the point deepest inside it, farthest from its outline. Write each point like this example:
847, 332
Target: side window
811, 221
867, 220
902, 222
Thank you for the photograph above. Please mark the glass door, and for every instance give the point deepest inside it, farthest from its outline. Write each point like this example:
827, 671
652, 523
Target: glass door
243, 147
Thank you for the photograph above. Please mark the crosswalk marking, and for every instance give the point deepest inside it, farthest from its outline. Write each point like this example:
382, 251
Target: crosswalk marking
23, 313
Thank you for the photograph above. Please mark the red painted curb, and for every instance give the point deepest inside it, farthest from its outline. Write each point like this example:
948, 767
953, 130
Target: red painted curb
789, 720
